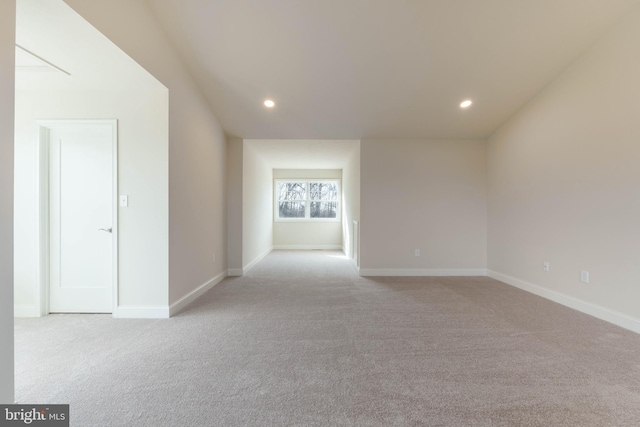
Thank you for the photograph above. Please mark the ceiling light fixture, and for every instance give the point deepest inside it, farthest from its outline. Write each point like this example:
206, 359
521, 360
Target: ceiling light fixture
269, 103
466, 103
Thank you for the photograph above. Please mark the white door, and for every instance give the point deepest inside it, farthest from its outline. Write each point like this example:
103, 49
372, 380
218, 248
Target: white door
81, 219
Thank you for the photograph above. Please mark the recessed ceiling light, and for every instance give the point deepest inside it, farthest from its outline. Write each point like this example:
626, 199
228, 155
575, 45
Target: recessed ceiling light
269, 103
466, 103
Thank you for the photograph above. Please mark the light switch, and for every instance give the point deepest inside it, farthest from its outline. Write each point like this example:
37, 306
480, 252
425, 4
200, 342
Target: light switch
124, 201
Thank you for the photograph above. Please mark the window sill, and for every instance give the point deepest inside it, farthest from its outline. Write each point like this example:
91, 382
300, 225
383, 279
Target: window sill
307, 220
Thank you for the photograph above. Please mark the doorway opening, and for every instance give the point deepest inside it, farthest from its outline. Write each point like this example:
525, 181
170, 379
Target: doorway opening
68, 72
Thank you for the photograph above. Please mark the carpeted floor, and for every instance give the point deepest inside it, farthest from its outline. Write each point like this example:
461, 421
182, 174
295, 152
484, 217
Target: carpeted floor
303, 341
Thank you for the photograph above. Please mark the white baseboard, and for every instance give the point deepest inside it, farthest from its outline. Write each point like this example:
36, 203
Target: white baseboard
179, 305
308, 247
124, 312
256, 260
234, 272
26, 311
602, 313
355, 265
372, 272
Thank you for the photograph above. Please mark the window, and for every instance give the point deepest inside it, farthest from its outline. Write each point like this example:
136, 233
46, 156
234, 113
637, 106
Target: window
307, 200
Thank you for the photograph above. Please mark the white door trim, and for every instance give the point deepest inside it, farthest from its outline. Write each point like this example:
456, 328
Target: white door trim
42, 168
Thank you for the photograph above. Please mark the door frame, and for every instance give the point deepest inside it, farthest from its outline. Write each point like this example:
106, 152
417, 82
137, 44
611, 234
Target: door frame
42, 168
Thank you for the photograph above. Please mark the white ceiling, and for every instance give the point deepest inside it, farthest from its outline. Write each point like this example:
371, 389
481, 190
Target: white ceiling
378, 68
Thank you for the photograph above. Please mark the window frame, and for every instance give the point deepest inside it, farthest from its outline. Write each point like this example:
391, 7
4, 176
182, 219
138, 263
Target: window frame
307, 200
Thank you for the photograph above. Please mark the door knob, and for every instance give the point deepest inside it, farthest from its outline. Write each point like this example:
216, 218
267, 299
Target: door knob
108, 230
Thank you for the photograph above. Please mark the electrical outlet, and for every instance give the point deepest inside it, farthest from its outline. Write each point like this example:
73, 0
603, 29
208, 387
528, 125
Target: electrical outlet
214, 258
545, 266
417, 252
584, 276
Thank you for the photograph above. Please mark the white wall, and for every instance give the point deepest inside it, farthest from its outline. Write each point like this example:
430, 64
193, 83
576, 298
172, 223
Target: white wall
234, 206
257, 207
423, 194
307, 235
564, 179
142, 175
350, 199
197, 196
7, 85
197, 146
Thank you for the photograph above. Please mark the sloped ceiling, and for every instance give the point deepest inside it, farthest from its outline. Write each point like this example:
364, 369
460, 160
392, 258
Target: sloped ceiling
341, 69
53, 31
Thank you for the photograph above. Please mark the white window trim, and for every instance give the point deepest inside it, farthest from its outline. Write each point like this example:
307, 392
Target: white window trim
276, 210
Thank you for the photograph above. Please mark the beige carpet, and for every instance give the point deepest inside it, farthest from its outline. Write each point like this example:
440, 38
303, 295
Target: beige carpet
303, 341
